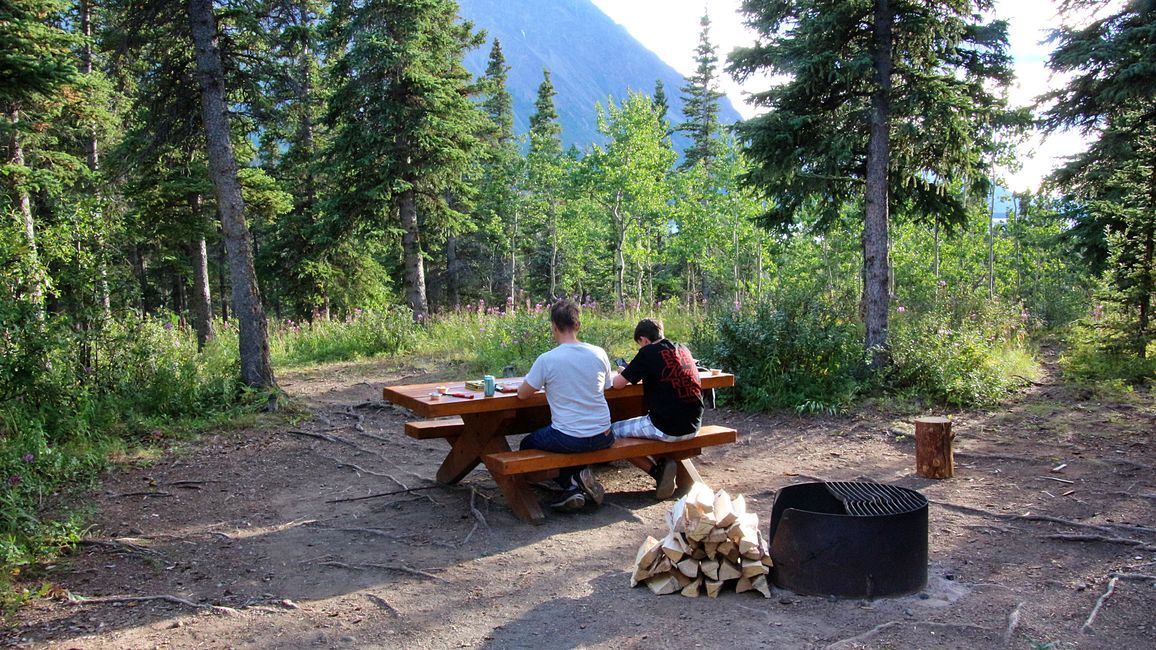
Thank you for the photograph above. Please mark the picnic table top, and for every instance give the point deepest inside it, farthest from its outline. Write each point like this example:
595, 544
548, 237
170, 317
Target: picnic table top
417, 398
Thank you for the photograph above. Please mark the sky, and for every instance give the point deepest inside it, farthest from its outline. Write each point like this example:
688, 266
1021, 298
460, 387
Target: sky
670, 28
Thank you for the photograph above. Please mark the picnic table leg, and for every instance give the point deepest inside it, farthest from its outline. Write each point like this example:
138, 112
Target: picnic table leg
521, 498
483, 434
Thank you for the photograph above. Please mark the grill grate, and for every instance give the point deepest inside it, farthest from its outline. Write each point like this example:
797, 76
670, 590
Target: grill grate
874, 499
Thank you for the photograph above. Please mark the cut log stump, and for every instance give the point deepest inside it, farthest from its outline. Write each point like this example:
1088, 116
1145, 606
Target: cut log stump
933, 455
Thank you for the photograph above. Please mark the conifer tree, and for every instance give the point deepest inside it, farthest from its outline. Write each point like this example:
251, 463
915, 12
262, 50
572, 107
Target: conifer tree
888, 103
545, 174
1111, 97
700, 98
497, 204
405, 127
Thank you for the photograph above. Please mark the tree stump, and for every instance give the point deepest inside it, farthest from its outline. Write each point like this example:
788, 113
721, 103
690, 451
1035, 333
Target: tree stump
933, 457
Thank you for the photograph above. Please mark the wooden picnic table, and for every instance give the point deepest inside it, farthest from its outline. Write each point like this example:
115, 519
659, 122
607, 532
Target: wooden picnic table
488, 420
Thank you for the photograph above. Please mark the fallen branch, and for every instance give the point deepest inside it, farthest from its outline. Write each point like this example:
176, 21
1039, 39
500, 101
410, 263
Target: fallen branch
1086, 628
1030, 381
85, 600
1134, 576
386, 567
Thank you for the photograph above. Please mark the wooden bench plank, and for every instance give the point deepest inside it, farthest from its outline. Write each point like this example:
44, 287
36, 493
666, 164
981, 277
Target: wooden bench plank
430, 429
534, 460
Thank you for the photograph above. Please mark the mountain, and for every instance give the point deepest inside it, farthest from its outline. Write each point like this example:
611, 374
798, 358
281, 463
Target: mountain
590, 58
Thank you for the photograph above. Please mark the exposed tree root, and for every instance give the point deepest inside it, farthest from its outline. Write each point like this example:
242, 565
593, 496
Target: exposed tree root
1143, 546
85, 600
401, 568
859, 638
121, 546
1104, 528
383, 603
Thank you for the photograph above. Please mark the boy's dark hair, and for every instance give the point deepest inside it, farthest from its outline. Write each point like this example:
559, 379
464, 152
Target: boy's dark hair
566, 315
651, 328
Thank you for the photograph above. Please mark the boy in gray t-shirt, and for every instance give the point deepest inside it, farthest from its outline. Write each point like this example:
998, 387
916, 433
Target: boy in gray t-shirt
574, 376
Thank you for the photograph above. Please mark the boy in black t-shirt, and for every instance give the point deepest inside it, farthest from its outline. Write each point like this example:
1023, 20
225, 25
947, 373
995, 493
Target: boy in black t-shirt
671, 391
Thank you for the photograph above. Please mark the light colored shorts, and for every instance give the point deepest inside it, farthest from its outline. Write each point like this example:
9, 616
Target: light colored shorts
641, 427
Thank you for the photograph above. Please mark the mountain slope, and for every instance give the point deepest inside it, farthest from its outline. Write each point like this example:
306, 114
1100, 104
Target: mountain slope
590, 58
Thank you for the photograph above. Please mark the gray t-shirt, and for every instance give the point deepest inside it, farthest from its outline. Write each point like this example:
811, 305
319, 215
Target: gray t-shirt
574, 376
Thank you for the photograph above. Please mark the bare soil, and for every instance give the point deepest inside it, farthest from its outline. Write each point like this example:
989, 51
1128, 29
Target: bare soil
248, 539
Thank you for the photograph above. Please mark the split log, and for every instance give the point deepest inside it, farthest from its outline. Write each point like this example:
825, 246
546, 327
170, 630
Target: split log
709, 568
761, 586
692, 590
724, 511
674, 546
713, 587
662, 584
933, 455
688, 567
699, 501
728, 571
744, 584
646, 561
752, 568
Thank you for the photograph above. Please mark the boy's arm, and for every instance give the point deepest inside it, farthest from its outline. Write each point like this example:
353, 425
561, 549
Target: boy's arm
525, 390
619, 381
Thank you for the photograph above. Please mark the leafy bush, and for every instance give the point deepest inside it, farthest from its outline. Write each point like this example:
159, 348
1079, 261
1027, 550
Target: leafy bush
971, 361
795, 352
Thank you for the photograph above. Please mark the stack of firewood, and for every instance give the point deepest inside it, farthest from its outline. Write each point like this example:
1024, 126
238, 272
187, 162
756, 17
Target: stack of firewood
712, 540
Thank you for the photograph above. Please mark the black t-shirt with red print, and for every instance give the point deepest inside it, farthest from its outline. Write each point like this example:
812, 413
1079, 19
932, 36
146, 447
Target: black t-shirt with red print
670, 386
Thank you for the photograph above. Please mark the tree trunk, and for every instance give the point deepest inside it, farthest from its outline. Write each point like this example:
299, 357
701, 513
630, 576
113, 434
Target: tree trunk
222, 280
411, 247
93, 154
253, 334
875, 263
202, 300
24, 207
514, 258
1147, 271
453, 286
619, 255
553, 254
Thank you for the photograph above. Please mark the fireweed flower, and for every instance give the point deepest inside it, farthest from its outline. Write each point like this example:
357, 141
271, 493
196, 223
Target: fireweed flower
900, 309
28, 458
14, 480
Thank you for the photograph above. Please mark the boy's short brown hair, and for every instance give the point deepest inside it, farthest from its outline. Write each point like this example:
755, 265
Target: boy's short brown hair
566, 315
651, 328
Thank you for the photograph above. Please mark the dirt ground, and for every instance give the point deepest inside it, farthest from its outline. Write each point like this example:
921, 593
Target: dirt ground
1021, 555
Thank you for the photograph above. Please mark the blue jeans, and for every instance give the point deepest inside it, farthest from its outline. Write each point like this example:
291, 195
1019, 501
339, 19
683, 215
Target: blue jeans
550, 439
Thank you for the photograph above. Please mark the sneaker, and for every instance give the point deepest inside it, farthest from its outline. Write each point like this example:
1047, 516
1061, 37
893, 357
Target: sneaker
571, 500
664, 472
590, 485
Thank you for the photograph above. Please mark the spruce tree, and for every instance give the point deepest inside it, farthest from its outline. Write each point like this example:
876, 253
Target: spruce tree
406, 129
497, 204
888, 103
1111, 98
545, 175
700, 98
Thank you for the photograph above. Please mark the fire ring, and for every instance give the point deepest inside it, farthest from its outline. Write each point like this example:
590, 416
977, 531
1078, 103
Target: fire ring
849, 540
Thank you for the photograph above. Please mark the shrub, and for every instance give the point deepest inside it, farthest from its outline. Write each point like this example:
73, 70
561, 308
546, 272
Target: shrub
1098, 353
971, 361
794, 352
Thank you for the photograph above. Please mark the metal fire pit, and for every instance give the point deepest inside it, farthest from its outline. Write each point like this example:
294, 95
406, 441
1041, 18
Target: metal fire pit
850, 540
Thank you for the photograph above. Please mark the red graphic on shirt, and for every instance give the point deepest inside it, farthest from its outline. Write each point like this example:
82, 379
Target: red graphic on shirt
681, 373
